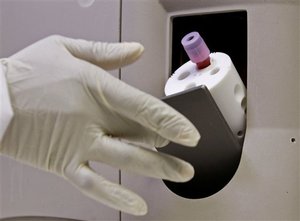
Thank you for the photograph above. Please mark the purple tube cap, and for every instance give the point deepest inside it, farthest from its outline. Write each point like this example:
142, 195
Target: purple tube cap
195, 47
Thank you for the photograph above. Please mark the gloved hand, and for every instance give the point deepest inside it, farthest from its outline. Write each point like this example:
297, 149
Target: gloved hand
68, 111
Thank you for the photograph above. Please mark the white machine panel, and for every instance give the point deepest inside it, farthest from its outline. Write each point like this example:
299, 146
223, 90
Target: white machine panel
266, 185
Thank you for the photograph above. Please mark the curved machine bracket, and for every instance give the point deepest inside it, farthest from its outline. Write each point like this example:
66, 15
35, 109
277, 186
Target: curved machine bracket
217, 155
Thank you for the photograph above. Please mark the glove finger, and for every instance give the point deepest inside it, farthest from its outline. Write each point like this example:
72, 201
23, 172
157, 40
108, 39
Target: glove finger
145, 138
143, 108
140, 160
106, 192
146, 142
134, 133
105, 55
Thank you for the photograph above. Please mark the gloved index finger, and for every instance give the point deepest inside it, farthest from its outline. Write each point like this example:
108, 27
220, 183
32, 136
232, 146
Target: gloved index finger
150, 112
105, 55
166, 121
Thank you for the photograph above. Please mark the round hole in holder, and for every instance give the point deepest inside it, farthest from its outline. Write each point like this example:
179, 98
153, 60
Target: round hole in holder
240, 133
293, 140
238, 93
244, 103
190, 85
183, 75
215, 70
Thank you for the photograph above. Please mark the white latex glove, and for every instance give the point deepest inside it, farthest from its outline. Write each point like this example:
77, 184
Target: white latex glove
69, 111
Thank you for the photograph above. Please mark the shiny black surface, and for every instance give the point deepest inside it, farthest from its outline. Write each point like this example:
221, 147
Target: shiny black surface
217, 155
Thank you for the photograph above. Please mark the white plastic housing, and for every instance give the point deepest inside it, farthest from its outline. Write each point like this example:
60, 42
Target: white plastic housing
224, 83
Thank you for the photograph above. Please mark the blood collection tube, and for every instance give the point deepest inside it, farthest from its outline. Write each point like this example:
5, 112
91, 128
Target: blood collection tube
196, 49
